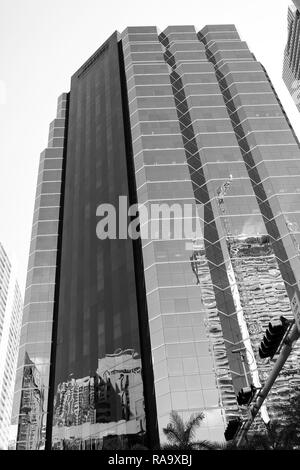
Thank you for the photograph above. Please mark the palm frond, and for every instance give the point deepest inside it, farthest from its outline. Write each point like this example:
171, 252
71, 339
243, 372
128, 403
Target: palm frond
177, 422
172, 434
193, 422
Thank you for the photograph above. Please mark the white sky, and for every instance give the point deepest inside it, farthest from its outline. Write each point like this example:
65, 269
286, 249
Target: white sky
43, 42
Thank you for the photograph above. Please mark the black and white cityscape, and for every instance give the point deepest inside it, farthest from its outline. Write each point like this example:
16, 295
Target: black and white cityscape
162, 301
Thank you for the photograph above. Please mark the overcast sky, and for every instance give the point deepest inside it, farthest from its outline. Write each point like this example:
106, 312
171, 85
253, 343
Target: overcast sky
43, 42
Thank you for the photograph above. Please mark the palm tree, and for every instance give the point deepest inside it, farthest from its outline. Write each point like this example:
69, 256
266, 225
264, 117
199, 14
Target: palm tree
181, 435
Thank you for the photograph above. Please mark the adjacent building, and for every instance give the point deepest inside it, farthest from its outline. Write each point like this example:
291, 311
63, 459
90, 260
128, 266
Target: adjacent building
117, 332
291, 63
10, 326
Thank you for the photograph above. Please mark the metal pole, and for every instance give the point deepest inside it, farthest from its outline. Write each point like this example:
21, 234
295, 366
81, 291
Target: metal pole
255, 407
242, 356
244, 368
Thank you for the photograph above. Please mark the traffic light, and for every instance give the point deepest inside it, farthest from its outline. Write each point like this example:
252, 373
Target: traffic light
272, 338
245, 395
232, 428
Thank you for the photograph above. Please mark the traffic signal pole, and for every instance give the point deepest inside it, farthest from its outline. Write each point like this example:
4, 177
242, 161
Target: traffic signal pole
256, 405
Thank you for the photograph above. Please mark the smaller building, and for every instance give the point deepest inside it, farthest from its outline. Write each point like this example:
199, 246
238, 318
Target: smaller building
10, 326
291, 63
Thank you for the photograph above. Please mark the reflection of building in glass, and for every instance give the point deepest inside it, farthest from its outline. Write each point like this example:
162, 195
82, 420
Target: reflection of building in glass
291, 63
10, 326
30, 429
176, 117
91, 412
264, 299
75, 403
120, 376
214, 333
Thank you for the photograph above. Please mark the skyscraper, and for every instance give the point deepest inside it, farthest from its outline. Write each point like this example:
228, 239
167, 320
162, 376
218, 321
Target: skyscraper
119, 331
10, 326
291, 63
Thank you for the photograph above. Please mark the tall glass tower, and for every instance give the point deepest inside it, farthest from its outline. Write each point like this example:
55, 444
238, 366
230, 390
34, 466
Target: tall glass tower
119, 332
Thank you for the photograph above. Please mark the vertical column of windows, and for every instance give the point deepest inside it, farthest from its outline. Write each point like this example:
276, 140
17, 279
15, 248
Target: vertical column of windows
162, 176
32, 379
208, 135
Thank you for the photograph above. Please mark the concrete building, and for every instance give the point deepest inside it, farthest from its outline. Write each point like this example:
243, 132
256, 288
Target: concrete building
10, 327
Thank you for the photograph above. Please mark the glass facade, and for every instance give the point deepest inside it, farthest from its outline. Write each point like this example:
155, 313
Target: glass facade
98, 385
120, 332
33, 368
183, 317
207, 127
